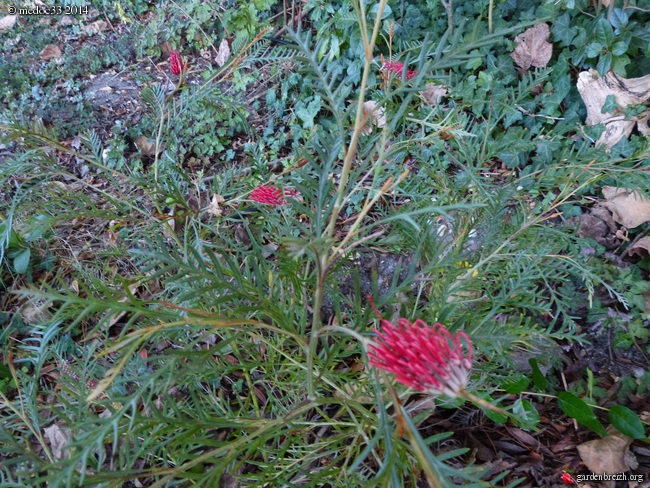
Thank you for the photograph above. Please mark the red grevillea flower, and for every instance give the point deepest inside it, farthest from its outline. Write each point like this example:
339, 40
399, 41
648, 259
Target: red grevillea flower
396, 67
429, 359
272, 195
176, 62
567, 478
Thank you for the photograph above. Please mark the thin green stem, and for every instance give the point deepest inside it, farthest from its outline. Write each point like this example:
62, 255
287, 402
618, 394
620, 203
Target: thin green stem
325, 260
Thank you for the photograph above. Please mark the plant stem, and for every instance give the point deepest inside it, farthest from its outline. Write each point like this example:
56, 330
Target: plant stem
324, 260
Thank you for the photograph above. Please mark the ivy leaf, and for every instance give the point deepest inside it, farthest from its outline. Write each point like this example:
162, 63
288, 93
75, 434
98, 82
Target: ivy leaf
307, 113
619, 48
619, 63
576, 408
593, 49
603, 32
626, 422
618, 18
610, 105
604, 64
21, 261
562, 30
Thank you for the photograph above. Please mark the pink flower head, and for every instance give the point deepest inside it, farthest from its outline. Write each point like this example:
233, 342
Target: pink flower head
397, 67
176, 62
567, 478
272, 195
429, 359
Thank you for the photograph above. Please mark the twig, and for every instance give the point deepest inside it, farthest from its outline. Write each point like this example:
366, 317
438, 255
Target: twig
530, 114
449, 8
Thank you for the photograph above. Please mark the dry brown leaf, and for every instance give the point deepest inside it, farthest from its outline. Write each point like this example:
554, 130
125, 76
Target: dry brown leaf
594, 91
223, 54
433, 94
51, 51
67, 20
58, 441
214, 208
147, 148
374, 115
641, 247
96, 27
628, 207
7, 22
607, 456
533, 48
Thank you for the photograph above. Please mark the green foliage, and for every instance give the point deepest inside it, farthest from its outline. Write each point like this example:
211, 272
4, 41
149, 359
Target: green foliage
576, 408
223, 340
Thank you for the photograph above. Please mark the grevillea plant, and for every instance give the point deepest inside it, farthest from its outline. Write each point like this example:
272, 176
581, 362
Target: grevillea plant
224, 337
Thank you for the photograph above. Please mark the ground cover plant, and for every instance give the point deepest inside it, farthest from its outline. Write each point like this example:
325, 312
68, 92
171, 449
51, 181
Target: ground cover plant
319, 243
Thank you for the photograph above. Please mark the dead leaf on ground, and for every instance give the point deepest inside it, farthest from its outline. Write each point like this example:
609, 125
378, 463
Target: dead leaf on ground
147, 148
51, 51
533, 48
67, 20
96, 27
433, 93
640, 248
594, 91
223, 54
214, 208
374, 115
58, 441
7, 22
609, 455
628, 207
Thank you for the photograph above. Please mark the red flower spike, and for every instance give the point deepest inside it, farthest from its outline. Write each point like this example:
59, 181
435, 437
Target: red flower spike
429, 359
567, 478
176, 62
272, 195
397, 67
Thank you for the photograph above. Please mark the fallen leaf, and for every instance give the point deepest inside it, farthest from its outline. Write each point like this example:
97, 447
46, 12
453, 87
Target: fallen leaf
609, 455
7, 22
67, 20
533, 48
51, 51
165, 49
58, 441
223, 54
628, 207
96, 27
214, 208
594, 91
373, 115
147, 148
433, 94
640, 248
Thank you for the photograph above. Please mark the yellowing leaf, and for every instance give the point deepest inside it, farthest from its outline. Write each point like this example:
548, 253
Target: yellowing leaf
628, 207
